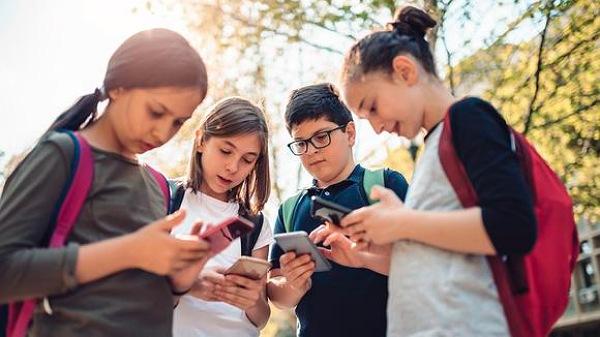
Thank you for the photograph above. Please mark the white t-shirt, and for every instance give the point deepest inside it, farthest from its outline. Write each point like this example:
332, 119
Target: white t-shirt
194, 317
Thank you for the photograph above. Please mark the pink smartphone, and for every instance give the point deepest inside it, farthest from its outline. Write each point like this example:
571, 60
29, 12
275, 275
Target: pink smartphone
220, 236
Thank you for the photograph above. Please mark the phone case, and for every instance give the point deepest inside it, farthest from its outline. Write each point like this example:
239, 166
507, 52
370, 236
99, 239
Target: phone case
301, 244
327, 211
249, 267
220, 236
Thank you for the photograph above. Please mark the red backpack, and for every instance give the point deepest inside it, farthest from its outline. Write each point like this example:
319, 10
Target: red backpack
69, 205
534, 288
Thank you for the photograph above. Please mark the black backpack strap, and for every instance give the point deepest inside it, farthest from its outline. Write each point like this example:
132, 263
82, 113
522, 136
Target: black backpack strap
249, 240
177, 190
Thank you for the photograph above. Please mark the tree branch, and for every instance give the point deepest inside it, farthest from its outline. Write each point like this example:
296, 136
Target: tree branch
574, 113
275, 31
538, 72
322, 26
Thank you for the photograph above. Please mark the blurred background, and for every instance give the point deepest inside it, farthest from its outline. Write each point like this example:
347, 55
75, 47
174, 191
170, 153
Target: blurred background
538, 62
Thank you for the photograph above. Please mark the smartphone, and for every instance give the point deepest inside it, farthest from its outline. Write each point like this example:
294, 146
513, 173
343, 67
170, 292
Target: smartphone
299, 243
326, 210
249, 267
220, 235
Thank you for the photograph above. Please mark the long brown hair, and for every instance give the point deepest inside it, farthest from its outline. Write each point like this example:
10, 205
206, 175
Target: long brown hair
234, 116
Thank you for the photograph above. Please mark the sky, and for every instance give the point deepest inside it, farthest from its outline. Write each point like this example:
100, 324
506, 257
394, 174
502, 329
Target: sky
52, 52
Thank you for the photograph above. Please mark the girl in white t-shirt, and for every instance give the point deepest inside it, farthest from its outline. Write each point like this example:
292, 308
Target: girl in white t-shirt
229, 175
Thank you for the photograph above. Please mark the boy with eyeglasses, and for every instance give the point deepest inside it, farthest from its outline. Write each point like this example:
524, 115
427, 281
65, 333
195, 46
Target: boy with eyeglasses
350, 299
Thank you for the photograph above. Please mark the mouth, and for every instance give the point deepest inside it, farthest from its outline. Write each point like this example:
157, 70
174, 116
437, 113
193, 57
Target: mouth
316, 162
147, 146
396, 129
224, 181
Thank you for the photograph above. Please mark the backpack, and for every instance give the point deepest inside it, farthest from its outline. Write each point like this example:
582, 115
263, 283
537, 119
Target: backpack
66, 212
370, 179
533, 288
248, 240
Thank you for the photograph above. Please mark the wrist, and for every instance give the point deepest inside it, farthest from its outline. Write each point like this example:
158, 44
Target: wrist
178, 288
128, 252
306, 286
408, 229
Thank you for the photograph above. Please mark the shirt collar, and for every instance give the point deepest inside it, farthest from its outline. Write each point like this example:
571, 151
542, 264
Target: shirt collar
354, 177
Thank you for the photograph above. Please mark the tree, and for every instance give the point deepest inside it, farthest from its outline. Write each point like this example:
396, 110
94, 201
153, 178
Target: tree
546, 88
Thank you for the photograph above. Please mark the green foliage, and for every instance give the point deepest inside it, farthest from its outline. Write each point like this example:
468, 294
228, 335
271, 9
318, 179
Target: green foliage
551, 92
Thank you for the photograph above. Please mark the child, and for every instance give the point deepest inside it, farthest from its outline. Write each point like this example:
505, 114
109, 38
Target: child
440, 282
229, 176
343, 301
109, 280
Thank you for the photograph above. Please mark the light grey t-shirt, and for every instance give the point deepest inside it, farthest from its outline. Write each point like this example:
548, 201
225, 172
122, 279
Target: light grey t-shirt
435, 292
123, 197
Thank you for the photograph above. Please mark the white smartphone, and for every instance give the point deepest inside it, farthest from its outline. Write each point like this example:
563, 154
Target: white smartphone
249, 267
299, 243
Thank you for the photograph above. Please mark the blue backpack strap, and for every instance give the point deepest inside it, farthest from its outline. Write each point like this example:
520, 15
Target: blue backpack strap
372, 178
249, 240
177, 192
288, 208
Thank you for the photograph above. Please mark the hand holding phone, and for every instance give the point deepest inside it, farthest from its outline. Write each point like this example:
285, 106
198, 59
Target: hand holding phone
327, 211
220, 236
299, 243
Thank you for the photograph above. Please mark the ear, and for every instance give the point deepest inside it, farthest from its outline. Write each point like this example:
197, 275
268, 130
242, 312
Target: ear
115, 94
198, 141
351, 132
405, 69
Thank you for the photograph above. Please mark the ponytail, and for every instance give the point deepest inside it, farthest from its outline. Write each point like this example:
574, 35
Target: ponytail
404, 36
81, 114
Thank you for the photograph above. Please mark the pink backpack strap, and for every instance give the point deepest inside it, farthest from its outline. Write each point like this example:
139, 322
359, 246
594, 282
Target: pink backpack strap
163, 183
77, 189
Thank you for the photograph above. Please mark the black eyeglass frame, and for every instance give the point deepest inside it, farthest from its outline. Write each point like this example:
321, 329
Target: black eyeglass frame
310, 140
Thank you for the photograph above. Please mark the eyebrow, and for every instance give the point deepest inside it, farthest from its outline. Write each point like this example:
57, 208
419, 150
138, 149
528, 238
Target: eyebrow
235, 147
169, 111
314, 133
164, 107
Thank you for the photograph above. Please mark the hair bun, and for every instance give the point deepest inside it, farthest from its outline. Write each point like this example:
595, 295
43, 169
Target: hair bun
412, 21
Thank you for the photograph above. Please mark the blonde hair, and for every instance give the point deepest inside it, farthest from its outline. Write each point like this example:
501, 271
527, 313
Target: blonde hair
230, 117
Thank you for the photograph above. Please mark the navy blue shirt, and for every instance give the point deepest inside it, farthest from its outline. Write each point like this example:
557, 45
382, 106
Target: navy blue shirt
344, 301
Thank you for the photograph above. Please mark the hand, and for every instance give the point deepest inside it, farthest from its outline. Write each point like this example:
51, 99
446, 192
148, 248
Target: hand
153, 249
204, 286
378, 223
297, 270
343, 251
183, 279
240, 291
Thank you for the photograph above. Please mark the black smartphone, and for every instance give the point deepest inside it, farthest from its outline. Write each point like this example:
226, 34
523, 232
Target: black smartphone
327, 210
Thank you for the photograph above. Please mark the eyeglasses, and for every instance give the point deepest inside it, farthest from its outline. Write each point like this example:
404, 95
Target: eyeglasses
318, 141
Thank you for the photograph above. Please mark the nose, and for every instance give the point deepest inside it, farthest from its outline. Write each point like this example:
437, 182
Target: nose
311, 149
232, 165
377, 126
162, 132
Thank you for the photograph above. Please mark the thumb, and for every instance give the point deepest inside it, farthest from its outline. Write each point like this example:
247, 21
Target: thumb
172, 220
197, 227
325, 252
384, 195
